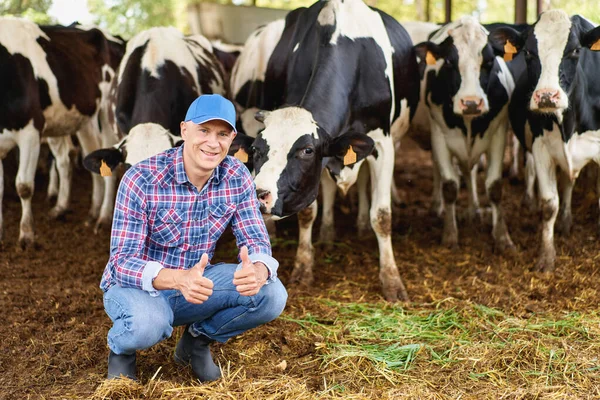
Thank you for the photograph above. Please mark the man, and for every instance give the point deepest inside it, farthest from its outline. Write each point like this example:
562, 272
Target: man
170, 211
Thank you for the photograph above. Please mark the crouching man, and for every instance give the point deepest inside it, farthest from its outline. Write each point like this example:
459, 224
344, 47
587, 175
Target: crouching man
170, 211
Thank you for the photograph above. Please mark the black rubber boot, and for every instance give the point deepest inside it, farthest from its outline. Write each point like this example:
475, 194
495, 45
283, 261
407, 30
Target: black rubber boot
121, 365
196, 351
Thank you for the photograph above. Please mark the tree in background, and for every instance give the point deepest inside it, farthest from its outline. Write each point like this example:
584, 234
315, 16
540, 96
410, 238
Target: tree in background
128, 17
35, 10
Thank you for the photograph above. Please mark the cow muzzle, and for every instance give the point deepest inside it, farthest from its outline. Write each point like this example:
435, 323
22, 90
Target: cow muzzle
546, 98
471, 105
266, 200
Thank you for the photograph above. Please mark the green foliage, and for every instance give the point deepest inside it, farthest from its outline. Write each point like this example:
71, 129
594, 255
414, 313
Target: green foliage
34, 10
128, 17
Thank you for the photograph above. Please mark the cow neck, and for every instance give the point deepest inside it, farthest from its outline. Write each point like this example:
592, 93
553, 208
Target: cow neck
327, 96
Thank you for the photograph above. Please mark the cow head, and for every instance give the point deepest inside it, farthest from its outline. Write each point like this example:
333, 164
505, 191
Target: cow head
552, 49
143, 141
462, 64
289, 155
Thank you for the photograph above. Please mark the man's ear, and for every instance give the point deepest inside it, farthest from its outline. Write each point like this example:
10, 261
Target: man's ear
351, 147
183, 129
506, 42
103, 161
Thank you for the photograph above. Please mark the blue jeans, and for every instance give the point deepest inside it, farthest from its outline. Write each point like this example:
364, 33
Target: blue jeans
140, 320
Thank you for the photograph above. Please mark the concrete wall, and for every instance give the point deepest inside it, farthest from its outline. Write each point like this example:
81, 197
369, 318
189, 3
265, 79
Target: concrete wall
231, 24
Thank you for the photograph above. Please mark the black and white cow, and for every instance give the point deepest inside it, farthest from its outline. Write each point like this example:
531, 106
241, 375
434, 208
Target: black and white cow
53, 82
555, 109
248, 74
160, 75
467, 90
343, 83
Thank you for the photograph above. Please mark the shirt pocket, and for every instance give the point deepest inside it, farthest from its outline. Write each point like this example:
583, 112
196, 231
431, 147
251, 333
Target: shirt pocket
219, 216
167, 228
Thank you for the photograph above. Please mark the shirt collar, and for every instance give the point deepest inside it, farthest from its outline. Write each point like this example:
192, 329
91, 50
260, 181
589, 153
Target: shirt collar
181, 176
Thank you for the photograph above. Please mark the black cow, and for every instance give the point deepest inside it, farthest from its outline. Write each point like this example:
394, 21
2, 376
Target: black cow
555, 109
343, 83
54, 79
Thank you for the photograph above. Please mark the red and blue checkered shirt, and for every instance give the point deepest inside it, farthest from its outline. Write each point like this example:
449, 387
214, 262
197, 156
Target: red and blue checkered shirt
161, 220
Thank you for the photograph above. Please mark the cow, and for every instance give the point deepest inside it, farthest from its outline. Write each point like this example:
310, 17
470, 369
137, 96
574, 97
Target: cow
340, 86
554, 110
54, 80
466, 90
160, 75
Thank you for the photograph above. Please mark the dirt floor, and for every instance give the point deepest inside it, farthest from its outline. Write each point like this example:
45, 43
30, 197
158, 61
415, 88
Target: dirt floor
53, 330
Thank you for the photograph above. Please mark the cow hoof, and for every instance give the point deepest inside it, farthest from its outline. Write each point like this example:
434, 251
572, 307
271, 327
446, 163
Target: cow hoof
450, 241
506, 247
26, 243
544, 264
396, 291
301, 276
564, 225
57, 213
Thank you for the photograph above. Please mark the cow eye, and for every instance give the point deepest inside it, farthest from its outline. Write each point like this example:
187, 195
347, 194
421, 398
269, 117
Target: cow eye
307, 151
575, 53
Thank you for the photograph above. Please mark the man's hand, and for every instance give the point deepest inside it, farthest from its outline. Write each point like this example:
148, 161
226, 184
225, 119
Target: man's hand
251, 277
193, 285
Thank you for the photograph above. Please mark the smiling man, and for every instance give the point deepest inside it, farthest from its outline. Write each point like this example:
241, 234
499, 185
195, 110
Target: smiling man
170, 211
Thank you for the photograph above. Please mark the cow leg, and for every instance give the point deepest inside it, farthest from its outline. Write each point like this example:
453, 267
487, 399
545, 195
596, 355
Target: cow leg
363, 220
493, 187
450, 185
597, 192
529, 195
88, 138
1, 199
271, 227
516, 157
437, 204
382, 173
28, 140
305, 255
471, 182
328, 191
52, 192
565, 217
59, 146
546, 175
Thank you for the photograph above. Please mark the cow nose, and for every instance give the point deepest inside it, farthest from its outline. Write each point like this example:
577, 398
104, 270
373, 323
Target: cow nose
265, 198
546, 98
471, 105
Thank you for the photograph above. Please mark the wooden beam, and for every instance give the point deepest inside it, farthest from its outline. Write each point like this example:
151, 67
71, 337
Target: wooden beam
520, 11
540, 6
448, 7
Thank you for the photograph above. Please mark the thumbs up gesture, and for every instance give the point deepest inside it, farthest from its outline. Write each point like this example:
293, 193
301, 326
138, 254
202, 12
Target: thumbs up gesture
195, 287
251, 277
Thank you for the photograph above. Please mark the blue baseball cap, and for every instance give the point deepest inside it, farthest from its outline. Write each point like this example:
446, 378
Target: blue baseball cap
208, 107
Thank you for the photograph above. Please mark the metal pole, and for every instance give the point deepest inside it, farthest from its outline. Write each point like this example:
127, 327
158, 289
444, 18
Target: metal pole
520, 11
448, 11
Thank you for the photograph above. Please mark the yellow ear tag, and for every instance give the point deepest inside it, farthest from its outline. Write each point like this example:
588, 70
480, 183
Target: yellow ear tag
596, 46
241, 155
350, 157
509, 51
430, 59
105, 169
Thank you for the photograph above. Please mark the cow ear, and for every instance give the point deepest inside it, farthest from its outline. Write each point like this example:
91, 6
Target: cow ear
241, 147
103, 161
427, 53
351, 147
591, 39
506, 42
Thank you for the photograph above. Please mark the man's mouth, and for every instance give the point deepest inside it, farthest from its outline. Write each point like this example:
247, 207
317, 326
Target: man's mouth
208, 153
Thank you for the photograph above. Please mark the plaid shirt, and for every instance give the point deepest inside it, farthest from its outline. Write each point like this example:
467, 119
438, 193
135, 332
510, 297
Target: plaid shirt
161, 220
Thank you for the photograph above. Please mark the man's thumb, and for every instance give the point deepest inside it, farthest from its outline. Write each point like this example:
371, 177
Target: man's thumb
202, 263
244, 257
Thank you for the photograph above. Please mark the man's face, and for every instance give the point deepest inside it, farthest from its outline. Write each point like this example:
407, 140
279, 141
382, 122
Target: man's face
205, 145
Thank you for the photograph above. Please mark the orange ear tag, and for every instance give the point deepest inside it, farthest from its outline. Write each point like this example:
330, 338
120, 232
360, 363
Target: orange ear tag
241, 155
430, 59
596, 46
105, 169
350, 157
509, 51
